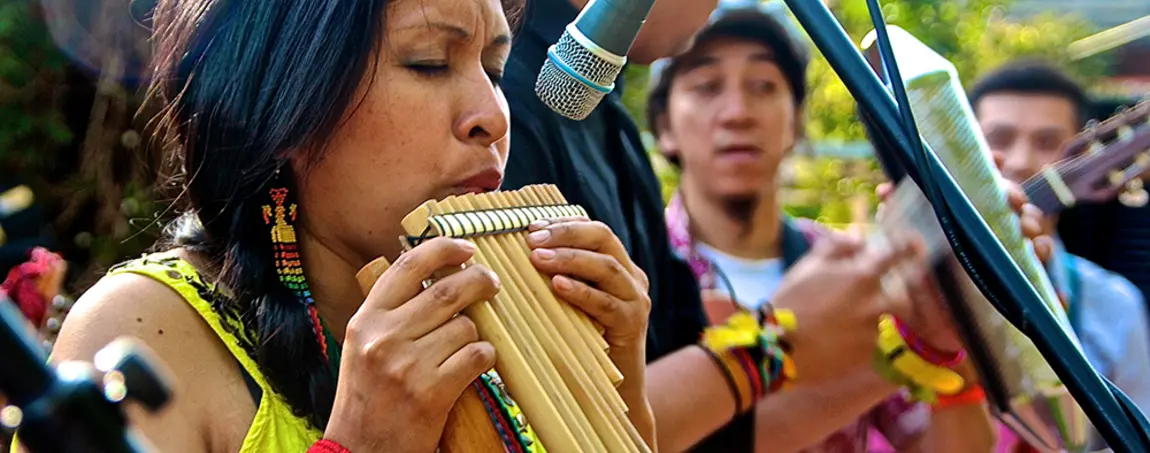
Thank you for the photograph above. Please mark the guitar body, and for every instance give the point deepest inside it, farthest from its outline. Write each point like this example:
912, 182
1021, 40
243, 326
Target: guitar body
469, 427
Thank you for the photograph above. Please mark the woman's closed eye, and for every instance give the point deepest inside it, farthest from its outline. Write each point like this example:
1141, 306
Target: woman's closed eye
429, 68
439, 69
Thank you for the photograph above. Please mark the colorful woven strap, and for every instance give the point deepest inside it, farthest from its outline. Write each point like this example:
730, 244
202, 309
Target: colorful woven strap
752, 357
505, 415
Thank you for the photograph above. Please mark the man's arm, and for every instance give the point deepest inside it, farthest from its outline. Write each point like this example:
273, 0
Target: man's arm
806, 414
690, 398
958, 429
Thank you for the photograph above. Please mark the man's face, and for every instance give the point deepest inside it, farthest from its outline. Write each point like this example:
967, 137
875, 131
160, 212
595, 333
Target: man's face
1028, 130
730, 117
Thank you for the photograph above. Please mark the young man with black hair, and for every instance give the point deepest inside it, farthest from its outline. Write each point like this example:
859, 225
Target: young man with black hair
1029, 111
726, 112
600, 163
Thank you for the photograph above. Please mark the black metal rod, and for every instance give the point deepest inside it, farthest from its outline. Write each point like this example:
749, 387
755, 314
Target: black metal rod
60, 415
996, 274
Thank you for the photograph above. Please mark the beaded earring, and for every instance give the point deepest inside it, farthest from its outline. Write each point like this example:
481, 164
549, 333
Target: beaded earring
280, 215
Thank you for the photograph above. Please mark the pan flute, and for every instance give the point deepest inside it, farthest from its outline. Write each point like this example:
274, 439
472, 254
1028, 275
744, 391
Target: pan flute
1022, 388
552, 357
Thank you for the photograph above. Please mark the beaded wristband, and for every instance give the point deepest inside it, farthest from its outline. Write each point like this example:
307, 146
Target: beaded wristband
885, 369
971, 395
928, 353
752, 358
327, 446
905, 361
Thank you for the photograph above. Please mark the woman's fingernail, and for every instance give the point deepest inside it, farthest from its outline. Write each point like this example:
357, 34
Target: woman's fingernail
539, 236
561, 283
545, 254
538, 224
465, 244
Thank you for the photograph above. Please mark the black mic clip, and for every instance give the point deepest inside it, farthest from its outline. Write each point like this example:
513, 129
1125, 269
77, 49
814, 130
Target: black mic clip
75, 406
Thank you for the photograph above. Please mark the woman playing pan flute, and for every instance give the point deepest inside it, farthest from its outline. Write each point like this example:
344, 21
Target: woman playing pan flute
305, 131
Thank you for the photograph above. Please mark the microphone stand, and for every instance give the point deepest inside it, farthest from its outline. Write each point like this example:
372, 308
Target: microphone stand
997, 276
76, 407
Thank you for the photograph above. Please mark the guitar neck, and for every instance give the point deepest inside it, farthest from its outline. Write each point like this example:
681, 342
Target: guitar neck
1040, 193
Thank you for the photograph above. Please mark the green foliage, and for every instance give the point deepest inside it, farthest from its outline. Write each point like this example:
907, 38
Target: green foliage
972, 34
31, 71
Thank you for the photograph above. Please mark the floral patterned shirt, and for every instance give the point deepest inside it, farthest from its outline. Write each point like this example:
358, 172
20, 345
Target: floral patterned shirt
897, 420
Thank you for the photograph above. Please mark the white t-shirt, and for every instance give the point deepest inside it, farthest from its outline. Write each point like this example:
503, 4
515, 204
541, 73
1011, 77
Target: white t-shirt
754, 281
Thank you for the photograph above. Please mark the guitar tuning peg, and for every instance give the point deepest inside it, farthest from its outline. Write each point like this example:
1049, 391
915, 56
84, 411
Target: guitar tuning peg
1094, 147
1125, 133
1116, 177
1134, 196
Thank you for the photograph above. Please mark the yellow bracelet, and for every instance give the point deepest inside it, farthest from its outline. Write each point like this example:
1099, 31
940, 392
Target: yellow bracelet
894, 348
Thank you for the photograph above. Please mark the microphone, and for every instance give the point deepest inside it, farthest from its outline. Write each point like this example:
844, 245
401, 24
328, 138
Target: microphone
582, 66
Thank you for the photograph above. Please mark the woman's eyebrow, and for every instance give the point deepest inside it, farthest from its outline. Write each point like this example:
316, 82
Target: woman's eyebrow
459, 32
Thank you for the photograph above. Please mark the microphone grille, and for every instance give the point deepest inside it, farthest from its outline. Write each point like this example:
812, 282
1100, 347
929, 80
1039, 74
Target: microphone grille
574, 90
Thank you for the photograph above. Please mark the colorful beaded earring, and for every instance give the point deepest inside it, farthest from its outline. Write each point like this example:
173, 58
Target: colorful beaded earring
280, 215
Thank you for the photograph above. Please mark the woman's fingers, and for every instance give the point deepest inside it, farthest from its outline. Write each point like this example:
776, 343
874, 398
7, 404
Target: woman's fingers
614, 313
580, 234
602, 271
447, 297
404, 279
443, 342
466, 364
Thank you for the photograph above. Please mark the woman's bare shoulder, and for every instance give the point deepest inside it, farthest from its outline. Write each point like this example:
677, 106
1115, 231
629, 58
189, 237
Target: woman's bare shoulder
151, 312
133, 305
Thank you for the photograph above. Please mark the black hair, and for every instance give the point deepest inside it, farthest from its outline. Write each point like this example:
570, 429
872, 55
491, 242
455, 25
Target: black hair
1033, 77
242, 85
749, 24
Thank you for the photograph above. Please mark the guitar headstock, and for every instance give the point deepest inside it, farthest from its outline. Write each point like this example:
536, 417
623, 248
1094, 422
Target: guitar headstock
1108, 155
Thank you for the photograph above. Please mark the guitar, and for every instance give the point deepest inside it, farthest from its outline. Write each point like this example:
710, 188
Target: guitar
1100, 162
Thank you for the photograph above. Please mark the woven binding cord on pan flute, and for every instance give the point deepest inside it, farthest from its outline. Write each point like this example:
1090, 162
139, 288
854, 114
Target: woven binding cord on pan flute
551, 356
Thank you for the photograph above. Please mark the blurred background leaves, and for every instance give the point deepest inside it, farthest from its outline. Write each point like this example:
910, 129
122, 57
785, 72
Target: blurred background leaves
72, 132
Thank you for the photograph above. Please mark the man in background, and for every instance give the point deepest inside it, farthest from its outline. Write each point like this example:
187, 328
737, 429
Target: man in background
1028, 112
1113, 234
600, 163
726, 113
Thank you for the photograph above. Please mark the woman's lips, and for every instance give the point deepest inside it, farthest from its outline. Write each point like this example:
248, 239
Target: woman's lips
484, 181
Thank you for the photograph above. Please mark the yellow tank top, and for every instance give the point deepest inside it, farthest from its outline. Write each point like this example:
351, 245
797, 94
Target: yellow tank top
275, 428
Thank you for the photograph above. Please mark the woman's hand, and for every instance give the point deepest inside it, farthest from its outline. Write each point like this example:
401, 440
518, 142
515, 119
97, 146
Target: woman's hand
591, 270
837, 294
406, 356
